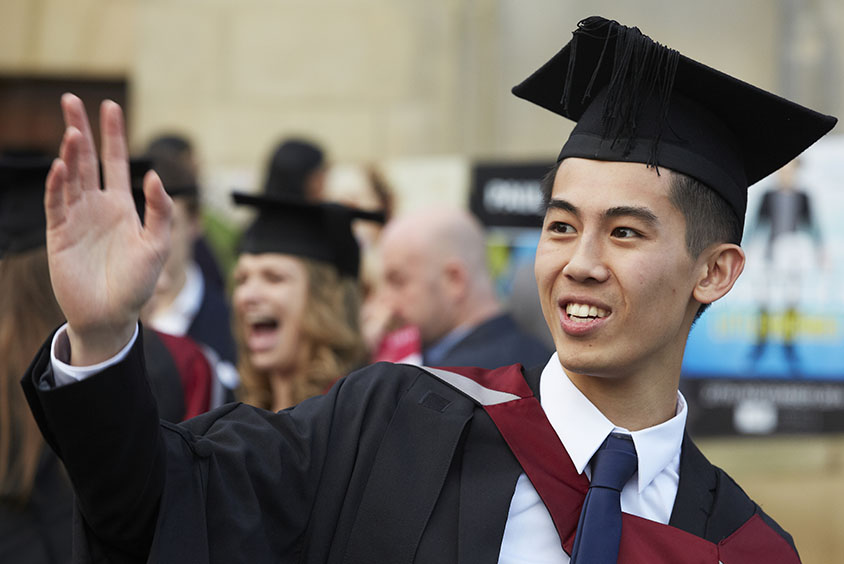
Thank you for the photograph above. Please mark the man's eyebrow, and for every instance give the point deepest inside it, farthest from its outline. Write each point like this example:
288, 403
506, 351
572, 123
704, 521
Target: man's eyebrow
561, 205
641, 213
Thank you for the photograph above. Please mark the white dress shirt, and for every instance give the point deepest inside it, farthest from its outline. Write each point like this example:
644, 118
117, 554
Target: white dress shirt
529, 534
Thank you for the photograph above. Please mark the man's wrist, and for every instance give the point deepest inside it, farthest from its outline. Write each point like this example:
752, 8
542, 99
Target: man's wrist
64, 373
93, 348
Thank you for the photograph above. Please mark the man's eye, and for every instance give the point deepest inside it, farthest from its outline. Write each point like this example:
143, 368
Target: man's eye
624, 232
560, 227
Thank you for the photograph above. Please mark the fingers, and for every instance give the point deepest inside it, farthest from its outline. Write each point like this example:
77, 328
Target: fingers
54, 194
84, 169
158, 212
115, 156
69, 155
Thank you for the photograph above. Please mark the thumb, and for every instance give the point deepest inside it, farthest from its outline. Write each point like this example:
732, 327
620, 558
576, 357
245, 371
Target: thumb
158, 212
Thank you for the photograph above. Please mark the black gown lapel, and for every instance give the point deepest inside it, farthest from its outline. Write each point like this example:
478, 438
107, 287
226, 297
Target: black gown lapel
400, 509
488, 479
695, 492
709, 503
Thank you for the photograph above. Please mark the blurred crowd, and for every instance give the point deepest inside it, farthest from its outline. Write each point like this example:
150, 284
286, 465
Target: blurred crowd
322, 284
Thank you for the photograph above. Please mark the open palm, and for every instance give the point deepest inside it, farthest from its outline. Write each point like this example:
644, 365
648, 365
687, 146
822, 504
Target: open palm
103, 263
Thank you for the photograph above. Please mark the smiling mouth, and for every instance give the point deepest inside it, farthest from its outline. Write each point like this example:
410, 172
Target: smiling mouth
262, 332
584, 312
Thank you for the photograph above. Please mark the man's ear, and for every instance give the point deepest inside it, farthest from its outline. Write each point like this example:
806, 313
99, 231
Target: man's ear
720, 267
456, 277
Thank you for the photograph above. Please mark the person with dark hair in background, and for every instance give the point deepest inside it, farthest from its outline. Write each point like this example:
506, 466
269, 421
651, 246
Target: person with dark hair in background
178, 148
174, 146
585, 460
183, 303
296, 171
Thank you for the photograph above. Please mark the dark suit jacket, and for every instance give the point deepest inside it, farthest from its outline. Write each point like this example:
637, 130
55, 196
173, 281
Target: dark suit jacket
212, 324
392, 465
496, 342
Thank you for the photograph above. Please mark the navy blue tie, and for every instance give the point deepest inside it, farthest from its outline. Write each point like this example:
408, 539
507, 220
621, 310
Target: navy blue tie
599, 528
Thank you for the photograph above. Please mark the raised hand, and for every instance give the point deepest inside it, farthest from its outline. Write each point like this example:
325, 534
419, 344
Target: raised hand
103, 263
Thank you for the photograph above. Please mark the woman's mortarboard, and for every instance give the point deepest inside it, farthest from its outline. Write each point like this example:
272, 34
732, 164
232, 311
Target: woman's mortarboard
635, 100
22, 222
319, 231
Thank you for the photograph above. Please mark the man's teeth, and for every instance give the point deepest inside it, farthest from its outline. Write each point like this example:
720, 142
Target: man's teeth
583, 311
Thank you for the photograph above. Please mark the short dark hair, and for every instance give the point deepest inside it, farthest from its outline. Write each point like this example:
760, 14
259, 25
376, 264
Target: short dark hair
709, 218
171, 144
179, 181
547, 186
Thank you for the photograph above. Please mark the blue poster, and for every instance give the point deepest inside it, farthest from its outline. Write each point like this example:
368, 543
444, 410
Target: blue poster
784, 317
770, 354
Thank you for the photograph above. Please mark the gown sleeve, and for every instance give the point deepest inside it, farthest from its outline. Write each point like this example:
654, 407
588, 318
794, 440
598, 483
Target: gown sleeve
236, 484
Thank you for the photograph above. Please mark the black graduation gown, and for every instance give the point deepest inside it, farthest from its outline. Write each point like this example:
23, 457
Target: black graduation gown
39, 532
391, 465
211, 325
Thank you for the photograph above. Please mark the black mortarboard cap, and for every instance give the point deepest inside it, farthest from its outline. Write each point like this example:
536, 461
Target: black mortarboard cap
635, 100
320, 231
22, 222
291, 164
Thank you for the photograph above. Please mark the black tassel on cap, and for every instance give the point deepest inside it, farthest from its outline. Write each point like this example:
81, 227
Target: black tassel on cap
641, 68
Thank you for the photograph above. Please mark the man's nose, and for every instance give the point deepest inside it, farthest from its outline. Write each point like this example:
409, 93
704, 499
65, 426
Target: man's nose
587, 261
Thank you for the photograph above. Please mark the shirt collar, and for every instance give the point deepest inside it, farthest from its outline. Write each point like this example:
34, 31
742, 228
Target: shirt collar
436, 352
582, 427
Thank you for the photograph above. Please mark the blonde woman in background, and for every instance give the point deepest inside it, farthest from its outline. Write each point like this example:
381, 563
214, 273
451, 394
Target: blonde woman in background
296, 300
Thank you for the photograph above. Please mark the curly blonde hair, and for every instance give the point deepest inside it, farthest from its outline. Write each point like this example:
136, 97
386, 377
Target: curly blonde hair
331, 341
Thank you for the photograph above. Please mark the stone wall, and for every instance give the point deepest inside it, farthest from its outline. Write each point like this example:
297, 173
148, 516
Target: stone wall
374, 80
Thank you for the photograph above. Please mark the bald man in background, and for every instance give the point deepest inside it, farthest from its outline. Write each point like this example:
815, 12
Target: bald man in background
436, 278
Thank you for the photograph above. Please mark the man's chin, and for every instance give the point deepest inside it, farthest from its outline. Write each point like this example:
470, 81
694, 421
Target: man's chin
591, 366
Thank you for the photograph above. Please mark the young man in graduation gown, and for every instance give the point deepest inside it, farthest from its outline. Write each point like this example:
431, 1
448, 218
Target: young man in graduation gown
402, 464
